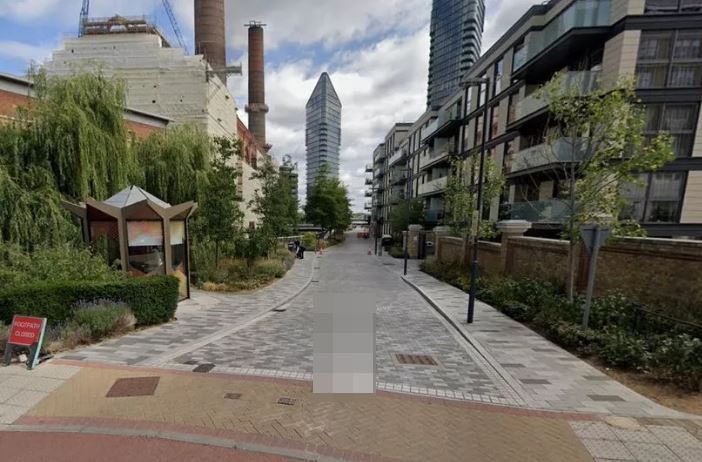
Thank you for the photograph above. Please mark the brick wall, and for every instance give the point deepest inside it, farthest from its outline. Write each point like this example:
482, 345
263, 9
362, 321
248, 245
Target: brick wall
9, 102
659, 273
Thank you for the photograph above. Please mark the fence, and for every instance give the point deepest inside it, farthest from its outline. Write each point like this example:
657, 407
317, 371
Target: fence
658, 273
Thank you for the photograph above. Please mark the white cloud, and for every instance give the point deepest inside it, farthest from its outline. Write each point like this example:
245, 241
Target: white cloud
24, 52
501, 14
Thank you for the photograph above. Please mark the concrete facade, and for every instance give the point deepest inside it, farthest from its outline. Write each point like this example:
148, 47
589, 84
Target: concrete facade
165, 80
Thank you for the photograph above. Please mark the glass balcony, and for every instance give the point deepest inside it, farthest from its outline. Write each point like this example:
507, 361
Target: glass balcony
434, 186
561, 151
584, 13
379, 171
580, 81
369, 193
369, 168
439, 152
434, 216
398, 175
430, 129
546, 211
397, 196
368, 205
369, 180
399, 155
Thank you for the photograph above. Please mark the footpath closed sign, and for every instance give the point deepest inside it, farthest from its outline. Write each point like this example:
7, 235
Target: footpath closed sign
26, 332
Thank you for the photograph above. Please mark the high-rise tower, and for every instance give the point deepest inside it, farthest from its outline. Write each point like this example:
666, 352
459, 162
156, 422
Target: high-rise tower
456, 34
323, 132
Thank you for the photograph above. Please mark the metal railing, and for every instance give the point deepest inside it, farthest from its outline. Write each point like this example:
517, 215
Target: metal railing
544, 211
561, 150
581, 81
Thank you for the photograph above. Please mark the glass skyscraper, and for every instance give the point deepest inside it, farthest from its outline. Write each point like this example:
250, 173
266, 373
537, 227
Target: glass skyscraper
456, 34
323, 132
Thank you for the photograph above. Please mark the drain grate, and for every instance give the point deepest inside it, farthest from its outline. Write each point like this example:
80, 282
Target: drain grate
136, 386
232, 396
286, 401
388, 264
421, 360
204, 368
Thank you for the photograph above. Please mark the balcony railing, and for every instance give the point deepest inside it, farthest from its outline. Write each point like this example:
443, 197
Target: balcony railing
430, 129
398, 175
397, 196
546, 211
397, 157
581, 81
369, 168
369, 179
368, 205
434, 216
436, 154
586, 13
561, 151
434, 186
379, 157
368, 193
379, 171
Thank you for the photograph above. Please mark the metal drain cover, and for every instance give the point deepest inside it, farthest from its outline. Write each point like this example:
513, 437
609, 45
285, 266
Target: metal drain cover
286, 401
136, 386
204, 368
388, 264
421, 360
232, 396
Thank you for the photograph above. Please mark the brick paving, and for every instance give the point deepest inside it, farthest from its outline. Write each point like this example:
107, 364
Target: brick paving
543, 373
396, 427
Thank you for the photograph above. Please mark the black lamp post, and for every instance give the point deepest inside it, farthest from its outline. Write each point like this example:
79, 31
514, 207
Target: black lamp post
476, 226
407, 201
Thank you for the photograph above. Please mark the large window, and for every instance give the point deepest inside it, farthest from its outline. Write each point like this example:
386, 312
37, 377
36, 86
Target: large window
478, 130
483, 91
657, 199
512, 107
494, 121
673, 6
670, 59
497, 82
677, 119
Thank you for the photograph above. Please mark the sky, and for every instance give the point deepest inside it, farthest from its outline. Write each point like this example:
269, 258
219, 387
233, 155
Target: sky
376, 52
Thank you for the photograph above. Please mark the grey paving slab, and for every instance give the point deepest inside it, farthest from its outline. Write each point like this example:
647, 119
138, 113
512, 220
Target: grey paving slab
405, 323
528, 361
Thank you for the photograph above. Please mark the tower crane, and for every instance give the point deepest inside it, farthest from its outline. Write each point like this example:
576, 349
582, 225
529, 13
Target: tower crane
85, 10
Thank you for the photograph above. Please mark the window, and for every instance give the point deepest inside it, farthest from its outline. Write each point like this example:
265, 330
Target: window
673, 6
478, 130
656, 199
494, 121
670, 59
483, 91
508, 156
497, 82
512, 107
469, 101
678, 120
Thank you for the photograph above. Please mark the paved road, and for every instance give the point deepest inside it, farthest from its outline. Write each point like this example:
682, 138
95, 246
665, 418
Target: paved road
238, 332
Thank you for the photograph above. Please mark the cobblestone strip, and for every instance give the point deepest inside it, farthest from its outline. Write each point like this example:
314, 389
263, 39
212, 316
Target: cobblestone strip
547, 376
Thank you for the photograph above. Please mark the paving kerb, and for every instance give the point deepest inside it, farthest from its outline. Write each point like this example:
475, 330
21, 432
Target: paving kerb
163, 359
504, 375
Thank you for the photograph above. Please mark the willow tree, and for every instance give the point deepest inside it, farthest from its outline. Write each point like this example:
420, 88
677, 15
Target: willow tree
78, 133
174, 163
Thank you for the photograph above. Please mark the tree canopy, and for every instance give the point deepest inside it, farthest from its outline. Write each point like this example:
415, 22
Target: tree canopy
328, 204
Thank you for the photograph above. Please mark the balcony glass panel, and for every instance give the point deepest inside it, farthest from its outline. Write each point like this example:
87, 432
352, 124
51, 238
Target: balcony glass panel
546, 211
562, 150
582, 81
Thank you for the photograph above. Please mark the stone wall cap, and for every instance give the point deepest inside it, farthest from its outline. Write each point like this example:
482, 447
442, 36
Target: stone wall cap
442, 229
415, 227
513, 226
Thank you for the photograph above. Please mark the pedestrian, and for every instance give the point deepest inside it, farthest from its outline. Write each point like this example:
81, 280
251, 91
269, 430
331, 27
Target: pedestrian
301, 252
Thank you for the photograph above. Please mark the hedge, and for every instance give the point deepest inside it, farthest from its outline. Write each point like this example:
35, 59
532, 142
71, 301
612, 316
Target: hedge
153, 300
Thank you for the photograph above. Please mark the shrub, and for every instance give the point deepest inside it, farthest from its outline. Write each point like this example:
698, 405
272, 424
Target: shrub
153, 300
57, 264
396, 251
4, 336
678, 358
309, 241
104, 318
621, 349
269, 269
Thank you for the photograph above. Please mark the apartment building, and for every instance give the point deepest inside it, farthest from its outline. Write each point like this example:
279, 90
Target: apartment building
594, 42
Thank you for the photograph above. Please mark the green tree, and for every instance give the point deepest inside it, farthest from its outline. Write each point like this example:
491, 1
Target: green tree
328, 204
220, 214
460, 197
595, 139
401, 217
273, 201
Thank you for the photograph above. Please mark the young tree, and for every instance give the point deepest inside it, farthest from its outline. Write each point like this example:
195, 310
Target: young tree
400, 219
274, 201
328, 204
460, 196
595, 140
220, 216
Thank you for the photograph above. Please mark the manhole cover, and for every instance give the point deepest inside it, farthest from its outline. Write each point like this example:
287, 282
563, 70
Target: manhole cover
389, 264
232, 396
421, 360
204, 368
137, 386
286, 401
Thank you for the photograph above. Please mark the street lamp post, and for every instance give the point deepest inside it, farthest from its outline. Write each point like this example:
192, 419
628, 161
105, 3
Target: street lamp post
476, 225
407, 201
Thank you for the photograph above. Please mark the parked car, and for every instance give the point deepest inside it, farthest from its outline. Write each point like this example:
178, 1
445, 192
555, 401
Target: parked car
387, 240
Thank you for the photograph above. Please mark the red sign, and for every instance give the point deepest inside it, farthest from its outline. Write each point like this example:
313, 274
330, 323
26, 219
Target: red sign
26, 331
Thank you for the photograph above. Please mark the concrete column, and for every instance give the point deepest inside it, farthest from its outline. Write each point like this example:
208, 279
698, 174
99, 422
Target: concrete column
439, 232
412, 244
509, 229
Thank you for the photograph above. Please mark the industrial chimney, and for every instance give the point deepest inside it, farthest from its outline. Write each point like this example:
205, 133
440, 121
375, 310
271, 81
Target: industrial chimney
257, 108
210, 35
